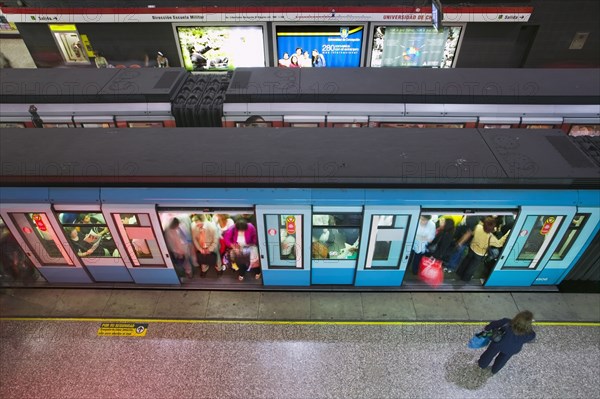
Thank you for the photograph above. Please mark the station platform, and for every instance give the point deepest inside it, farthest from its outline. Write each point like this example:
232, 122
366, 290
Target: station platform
112, 343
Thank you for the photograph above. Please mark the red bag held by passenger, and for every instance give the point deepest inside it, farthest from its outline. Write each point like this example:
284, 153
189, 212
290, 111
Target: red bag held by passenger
430, 271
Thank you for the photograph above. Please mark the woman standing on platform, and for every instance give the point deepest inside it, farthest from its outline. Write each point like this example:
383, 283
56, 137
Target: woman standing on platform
518, 331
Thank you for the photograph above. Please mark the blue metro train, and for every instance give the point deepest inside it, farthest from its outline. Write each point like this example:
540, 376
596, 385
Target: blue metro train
332, 208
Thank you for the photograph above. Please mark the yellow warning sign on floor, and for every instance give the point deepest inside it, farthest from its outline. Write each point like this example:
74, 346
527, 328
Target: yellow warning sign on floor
123, 330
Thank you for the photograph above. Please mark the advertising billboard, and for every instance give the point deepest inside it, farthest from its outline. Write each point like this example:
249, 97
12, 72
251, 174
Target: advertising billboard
331, 46
414, 46
216, 48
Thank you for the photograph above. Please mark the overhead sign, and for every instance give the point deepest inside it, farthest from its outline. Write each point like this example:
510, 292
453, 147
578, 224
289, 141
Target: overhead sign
266, 14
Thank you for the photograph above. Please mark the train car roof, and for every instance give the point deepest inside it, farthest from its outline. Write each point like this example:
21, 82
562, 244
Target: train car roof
415, 85
294, 157
90, 85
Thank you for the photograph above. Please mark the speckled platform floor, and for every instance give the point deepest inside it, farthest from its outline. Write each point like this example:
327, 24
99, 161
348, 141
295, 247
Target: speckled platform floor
66, 359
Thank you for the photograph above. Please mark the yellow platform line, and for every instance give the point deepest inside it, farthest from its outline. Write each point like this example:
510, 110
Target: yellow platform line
289, 322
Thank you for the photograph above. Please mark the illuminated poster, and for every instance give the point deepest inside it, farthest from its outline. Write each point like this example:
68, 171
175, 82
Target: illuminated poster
69, 43
214, 48
319, 46
402, 46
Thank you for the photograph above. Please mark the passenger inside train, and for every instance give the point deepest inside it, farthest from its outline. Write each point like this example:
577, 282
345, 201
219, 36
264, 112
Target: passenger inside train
88, 234
199, 242
467, 246
336, 236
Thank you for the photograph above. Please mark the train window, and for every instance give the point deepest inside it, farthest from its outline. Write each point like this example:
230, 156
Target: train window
423, 125
414, 46
129, 219
88, 234
144, 124
539, 236
39, 235
254, 124
98, 125
14, 263
349, 124
302, 124
496, 126
336, 236
584, 130
11, 124
570, 236
56, 125
539, 126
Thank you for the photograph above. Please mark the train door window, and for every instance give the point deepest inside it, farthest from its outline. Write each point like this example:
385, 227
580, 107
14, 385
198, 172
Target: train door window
387, 236
69, 43
88, 234
336, 236
570, 236
584, 130
40, 237
138, 236
144, 124
14, 263
539, 231
284, 241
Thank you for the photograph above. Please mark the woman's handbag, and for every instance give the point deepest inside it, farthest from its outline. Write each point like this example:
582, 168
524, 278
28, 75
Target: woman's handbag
479, 340
497, 334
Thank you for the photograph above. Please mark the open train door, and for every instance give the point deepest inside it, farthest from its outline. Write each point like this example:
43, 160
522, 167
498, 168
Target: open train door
389, 232
534, 238
141, 238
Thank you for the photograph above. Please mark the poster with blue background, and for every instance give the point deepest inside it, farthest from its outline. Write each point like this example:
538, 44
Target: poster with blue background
332, 46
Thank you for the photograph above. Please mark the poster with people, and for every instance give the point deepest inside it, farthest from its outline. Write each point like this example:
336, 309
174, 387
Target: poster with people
414, 46
215, 48
318, 46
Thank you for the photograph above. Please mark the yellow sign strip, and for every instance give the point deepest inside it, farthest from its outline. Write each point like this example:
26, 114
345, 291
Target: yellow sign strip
123, 330
62, 28
291, 322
